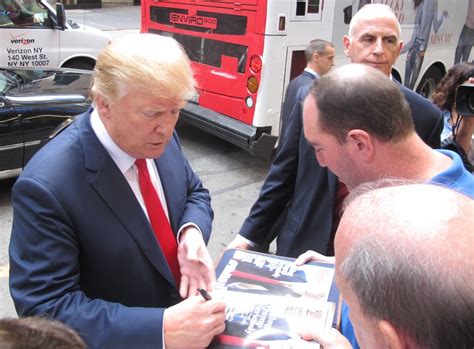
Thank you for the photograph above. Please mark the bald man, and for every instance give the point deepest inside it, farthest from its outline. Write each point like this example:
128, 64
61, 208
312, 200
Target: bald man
405, 267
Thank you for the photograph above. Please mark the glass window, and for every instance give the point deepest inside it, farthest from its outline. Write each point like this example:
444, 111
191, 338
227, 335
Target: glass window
313, 6
300, 7
25, 13
208, 51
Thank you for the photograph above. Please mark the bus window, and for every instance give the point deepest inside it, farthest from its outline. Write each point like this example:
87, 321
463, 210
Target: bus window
303, 7
313, 6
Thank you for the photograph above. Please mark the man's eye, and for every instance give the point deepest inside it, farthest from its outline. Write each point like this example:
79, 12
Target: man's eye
153, 114
149, 114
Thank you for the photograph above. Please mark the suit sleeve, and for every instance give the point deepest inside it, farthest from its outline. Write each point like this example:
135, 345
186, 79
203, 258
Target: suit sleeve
198, 201
279, 185
45, 273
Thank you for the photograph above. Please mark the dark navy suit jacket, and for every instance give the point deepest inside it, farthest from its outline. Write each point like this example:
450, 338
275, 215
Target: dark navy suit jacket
305, 78
299, 195
82, 249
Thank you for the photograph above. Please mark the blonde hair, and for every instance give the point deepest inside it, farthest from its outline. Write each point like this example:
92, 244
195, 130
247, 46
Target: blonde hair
147, 62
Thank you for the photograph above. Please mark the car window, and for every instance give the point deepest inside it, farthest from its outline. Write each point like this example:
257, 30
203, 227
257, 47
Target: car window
9, 80
22, 13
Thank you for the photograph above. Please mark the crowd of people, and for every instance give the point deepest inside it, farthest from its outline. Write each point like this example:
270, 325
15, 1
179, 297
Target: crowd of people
110, 223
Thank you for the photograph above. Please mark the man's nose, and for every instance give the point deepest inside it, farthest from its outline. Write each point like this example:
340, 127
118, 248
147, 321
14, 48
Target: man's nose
378, 46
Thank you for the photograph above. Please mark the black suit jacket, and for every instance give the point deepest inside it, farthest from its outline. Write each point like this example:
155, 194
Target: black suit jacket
305, 78
299, 194
427, 117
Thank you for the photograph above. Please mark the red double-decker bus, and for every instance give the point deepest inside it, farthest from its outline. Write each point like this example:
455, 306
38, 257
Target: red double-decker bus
245, 52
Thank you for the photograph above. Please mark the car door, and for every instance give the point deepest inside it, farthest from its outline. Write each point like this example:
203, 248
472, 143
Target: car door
11, 140
27, 37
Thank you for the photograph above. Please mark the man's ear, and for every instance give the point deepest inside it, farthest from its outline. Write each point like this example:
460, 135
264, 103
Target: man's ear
362, 144
400, 46
103, 106
346, 41
316, 57
392, 337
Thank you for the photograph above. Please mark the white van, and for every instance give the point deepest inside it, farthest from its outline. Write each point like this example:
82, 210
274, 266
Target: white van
34, 34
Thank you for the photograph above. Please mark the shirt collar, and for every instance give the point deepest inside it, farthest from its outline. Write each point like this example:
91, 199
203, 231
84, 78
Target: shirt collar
311, 71
121, 158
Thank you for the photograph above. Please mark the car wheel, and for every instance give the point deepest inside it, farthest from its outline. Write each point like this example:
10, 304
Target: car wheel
429, 81
84, 65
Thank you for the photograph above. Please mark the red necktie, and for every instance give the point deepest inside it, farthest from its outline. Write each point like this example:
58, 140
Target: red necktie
159, 221
341, 194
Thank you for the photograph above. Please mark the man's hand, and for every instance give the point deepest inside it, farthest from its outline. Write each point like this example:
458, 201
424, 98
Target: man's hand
313, 256
239, 242
332, 340
193, 323
195, 263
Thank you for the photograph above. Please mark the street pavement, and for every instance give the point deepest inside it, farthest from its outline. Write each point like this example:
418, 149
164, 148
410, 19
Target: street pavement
115, 21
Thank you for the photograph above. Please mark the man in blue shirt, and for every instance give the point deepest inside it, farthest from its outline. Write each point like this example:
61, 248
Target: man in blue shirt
359, 124
355, 135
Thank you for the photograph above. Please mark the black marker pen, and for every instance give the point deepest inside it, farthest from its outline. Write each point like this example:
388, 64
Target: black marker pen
204, 294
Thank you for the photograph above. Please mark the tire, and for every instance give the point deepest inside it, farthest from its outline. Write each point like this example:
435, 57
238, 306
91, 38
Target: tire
82, 64
429, 81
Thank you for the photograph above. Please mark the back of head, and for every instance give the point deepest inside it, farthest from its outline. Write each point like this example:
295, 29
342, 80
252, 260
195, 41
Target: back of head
357, 96
37, 333
371, 12
146, 62
316, 46
445, 94
406, 253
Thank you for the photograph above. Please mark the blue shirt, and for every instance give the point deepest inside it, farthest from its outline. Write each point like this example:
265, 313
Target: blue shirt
455, 177
447, 133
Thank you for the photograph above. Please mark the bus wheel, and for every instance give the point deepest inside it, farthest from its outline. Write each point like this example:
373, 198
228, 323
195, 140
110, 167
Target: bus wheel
83, 64
428, 82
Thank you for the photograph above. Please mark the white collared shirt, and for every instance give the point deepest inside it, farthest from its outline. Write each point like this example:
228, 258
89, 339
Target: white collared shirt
126, 164
312, 72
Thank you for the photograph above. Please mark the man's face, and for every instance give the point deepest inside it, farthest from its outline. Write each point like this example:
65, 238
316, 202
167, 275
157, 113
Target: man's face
329, 152
374, 42
140, 123
366, 328
325, 61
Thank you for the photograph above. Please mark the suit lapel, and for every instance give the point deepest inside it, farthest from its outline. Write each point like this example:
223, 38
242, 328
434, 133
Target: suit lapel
109, 183
172, 181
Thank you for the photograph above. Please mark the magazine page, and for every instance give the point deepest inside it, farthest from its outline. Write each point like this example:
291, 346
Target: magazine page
269, 299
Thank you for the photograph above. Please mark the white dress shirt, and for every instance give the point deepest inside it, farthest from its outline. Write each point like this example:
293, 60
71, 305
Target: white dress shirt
126, 164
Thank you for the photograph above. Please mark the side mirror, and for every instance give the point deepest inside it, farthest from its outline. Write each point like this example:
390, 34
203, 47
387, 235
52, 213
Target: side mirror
61, 16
